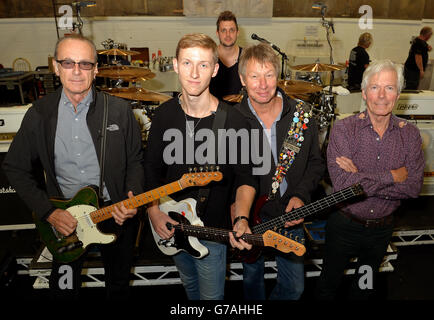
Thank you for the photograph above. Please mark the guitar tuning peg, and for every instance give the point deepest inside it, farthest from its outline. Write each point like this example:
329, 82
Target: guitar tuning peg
201, 169
302, 240
296, 238
195, 169
189, 170
286, 233
290, 235
217, 168
206, 168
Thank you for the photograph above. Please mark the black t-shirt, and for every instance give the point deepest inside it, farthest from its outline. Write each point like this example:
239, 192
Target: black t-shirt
170, 119
227, 80
358, 59
418, 46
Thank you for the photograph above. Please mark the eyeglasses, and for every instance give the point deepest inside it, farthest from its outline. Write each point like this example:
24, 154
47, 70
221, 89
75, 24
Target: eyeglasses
83, 65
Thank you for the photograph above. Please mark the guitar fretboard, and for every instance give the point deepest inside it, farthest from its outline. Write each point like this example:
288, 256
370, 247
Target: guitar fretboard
137, 201
210, 233
309, 209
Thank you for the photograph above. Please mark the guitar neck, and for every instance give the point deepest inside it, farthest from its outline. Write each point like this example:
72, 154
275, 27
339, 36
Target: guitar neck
216, 234
306, 210
137, 201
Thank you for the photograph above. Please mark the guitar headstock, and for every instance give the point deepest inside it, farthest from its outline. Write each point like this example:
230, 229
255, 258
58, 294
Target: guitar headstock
282, 243
198, 178
358, 189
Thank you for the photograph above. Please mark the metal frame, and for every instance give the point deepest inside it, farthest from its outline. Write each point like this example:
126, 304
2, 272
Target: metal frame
168, 274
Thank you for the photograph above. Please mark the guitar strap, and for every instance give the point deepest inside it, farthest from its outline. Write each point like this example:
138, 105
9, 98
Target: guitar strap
291, 145
218, 123
103, 147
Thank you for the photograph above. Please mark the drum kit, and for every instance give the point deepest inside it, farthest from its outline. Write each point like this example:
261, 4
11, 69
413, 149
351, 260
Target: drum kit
142, 101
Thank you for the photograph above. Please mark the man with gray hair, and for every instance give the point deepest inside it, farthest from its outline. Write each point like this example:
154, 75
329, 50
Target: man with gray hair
384, 154
61, 138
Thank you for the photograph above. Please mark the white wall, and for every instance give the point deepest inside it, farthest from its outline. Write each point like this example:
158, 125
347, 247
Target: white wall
34, 39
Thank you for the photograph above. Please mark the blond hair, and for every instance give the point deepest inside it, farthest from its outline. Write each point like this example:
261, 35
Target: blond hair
200, 40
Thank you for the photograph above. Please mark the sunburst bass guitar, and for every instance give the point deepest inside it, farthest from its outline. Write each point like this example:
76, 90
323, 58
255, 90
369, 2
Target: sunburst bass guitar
84, 207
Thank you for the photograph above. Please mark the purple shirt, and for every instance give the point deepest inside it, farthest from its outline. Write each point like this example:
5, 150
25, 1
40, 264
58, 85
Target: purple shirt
374, 157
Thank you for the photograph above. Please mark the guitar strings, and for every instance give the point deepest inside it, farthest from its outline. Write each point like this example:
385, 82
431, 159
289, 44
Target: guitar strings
304, 211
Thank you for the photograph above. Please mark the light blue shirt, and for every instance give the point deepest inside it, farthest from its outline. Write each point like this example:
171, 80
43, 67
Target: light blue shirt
272, 138
75, 159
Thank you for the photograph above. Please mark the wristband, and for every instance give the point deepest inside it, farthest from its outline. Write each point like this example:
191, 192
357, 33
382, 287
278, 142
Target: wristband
240, 218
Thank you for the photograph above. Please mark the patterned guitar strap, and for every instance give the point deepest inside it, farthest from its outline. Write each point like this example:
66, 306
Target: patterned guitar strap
291, 145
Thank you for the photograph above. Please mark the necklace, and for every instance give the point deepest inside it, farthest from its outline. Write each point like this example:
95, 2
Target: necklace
187, 122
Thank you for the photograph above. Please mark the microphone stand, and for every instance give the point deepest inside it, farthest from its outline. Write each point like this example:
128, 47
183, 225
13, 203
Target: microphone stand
79, 24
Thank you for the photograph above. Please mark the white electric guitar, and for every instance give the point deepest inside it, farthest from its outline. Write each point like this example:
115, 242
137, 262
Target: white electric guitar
190, 228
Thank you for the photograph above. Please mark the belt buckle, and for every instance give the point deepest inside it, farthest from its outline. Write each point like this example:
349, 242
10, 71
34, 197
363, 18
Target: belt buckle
372, 223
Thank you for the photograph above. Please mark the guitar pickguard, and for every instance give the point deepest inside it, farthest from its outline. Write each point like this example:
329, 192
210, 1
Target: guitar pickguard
182, 211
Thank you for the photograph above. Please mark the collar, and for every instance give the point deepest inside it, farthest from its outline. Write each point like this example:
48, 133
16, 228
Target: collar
365, 120
288, 105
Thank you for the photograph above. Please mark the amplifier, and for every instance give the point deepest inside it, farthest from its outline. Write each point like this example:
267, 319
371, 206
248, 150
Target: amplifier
14, 213
427, 133
10, 121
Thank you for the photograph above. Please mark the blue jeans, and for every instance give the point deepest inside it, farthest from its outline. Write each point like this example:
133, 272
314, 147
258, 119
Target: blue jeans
290, 276
204, 278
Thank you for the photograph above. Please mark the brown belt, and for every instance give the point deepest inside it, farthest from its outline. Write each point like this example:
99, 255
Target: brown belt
369, 223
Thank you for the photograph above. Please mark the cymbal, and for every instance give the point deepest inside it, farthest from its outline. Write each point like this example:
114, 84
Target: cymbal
126, 73
118, 52
233, 98
137, 94
297, 87
318, 67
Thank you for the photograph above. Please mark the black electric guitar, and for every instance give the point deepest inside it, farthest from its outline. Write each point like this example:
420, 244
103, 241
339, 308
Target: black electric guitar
190, 228
84, 207
260, 227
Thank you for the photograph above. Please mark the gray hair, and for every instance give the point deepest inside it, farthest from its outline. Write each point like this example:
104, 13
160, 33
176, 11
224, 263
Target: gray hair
76, 37
262, 53
381, 65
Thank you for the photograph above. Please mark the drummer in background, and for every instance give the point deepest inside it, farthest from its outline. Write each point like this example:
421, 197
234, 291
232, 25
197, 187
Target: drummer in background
359, 61
227, 80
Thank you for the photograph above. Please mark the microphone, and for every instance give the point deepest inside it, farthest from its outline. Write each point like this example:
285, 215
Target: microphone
84, 4
256, 37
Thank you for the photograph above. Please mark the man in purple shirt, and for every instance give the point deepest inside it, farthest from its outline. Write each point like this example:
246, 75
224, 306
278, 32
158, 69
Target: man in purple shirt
384, 154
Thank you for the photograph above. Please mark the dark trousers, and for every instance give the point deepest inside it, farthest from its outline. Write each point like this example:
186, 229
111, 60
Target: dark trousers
346, 239
117, 258
412, 78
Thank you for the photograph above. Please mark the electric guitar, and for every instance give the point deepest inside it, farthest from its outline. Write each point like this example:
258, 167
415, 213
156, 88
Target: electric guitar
190, 228
84, 207
277, 223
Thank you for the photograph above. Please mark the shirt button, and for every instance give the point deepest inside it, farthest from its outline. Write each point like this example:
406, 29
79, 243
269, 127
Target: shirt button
378, 139
372, 211
76, 137
76, 119
78, 154
378, 157
82, 171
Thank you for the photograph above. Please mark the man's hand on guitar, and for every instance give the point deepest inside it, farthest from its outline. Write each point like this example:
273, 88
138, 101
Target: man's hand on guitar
241, 227
121, 213
159, 222
293, 203
62, 221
